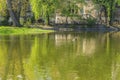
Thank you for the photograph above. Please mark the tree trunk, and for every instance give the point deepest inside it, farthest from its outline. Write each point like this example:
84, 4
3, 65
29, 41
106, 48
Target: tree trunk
13, 16
106, 15
66, 19
111, 12
47, 19
100, 15
19, 11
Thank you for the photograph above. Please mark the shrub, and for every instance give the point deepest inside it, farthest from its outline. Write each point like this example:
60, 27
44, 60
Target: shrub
91, 21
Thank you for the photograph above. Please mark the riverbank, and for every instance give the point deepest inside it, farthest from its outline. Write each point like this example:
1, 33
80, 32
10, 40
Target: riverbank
8, 30
78, 27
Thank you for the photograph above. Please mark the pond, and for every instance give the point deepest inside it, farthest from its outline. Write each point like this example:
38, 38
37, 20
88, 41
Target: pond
60, 56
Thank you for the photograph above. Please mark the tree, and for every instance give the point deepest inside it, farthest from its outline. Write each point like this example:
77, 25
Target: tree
69, 8
14, 11
109, 6
16, 8
112, 6
43, 8
3, 7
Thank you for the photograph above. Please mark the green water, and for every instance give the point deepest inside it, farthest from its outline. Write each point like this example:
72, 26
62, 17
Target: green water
60, 56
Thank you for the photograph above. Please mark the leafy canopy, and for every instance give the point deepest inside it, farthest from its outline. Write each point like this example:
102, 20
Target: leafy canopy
3, 7
42, 8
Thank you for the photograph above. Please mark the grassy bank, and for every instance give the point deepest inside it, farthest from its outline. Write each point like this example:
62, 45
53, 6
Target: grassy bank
6, 30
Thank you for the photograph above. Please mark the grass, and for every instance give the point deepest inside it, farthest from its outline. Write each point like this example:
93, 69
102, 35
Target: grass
7, 30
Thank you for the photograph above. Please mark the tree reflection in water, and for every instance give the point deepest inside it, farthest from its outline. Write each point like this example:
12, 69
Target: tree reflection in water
57, 57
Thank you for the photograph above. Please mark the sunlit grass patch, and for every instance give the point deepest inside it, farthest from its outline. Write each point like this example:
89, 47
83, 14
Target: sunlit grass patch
6, 30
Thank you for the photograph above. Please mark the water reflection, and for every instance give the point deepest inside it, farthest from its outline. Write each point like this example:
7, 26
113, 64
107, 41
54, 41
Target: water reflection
11, 54
60, 56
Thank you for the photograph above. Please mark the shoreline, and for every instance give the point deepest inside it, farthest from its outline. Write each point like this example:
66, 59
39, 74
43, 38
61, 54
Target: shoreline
77, 27
39, 29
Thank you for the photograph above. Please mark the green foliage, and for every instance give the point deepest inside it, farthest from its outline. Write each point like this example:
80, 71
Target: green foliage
109, 6
43, 8
25, 7
28, 22
3, 21
118, 1
3, 7
91, 21
47, 8
70, 7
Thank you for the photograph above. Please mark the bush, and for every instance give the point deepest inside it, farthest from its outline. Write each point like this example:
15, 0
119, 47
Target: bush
91, 21
3, 21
